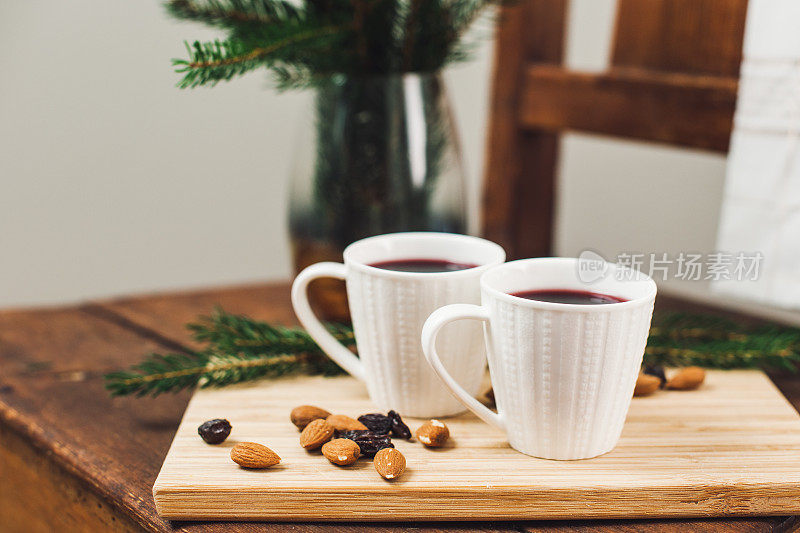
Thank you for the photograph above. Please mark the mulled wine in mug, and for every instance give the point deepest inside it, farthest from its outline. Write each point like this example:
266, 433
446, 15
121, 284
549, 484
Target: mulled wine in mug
564, 353
394, 282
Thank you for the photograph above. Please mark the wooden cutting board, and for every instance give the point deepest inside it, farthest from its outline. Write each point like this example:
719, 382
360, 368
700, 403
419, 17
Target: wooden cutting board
729, 448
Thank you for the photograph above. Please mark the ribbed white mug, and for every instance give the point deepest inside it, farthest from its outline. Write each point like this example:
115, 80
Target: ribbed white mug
388, 309
563, 374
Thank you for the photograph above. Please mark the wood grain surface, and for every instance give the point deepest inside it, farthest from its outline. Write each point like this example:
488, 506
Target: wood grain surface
729, 448
689, 36
517, 210
679, 109
64, 440
672, 78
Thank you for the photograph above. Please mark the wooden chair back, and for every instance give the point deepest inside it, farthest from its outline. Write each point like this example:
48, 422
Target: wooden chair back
672, 79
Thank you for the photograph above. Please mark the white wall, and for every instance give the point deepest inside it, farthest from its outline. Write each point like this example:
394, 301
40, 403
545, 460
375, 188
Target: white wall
113, 181
617, 196
625, 196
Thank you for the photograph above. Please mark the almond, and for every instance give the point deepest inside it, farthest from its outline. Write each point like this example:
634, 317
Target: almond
341, 451
303, 415
345, 423
687, 378
646, 384
315, 434
433, 433
253, 455
390, 463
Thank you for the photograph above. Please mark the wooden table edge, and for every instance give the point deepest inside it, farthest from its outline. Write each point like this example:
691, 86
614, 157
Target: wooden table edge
61, 459
57, 457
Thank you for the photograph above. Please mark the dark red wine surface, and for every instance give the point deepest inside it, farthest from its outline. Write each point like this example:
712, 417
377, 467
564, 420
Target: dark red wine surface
567, 296
422, 265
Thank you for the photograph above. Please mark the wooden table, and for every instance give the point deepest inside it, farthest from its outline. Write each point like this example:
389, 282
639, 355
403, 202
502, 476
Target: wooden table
72, 458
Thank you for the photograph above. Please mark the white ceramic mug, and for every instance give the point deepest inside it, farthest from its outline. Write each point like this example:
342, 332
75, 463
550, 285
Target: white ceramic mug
563, 374
388, 309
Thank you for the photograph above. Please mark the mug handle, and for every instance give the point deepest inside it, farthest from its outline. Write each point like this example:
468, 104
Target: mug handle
437, 320
335, 350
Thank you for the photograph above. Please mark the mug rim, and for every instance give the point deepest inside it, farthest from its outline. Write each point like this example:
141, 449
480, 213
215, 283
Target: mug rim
557, 306
498, 251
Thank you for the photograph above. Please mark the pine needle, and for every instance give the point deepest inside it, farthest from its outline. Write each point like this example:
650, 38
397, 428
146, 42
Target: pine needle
212, 62
303, 43
240, 349
684, 339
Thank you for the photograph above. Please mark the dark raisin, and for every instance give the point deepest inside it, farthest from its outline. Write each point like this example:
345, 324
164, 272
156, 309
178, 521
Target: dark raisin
399, 428
368, 442
214, 431
657, 371
377, 423
352, 434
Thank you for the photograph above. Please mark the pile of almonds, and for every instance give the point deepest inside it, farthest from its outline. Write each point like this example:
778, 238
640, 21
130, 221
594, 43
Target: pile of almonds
341, 439
654, 378
344, 439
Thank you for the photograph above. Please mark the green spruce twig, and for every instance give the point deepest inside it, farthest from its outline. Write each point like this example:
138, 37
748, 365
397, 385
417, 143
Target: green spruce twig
229, 333
232, 13
158, 373
684, 339
239, 349
212, 62
304, 42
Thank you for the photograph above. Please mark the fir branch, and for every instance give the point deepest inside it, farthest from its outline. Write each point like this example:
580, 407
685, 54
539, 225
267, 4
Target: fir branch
158, 373
231, 13
723, 359
304, 42
410, 21
237, 333
175, 372
211, 62
238, 349
682, 339
465, 12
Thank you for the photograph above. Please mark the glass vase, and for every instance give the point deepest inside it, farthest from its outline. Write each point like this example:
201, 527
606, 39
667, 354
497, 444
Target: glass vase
377, 154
